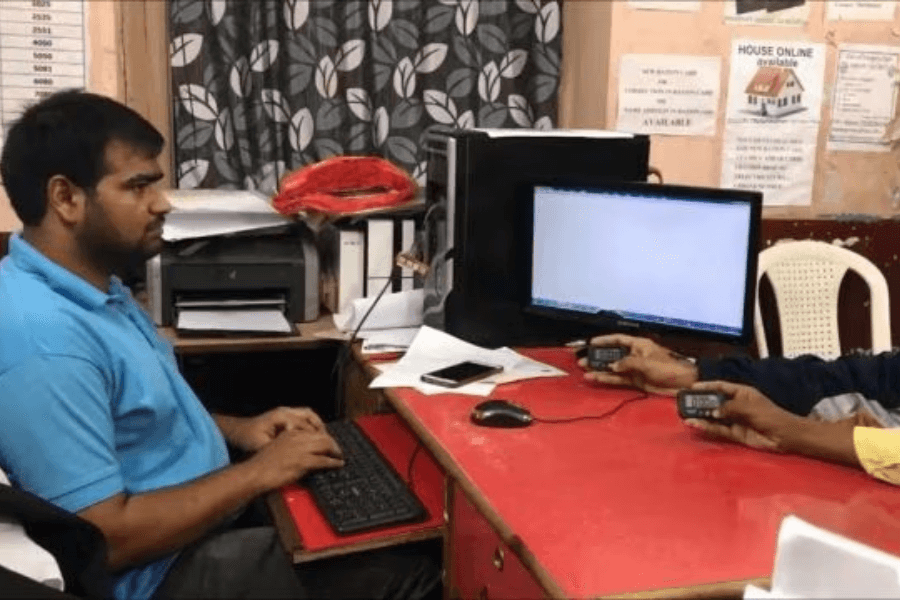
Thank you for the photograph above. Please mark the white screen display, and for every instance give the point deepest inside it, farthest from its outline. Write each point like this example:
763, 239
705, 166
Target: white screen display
643, 256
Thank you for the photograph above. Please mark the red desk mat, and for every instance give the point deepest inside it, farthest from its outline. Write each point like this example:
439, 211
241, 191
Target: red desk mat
638, 501
397, 444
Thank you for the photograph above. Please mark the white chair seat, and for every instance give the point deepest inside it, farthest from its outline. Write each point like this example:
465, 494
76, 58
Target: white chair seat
806, 278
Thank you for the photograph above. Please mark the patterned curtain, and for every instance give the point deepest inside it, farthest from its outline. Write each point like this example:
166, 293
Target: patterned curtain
262, 87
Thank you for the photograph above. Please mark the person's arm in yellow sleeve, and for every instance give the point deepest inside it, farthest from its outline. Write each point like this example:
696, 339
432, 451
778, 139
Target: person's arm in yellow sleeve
878, 451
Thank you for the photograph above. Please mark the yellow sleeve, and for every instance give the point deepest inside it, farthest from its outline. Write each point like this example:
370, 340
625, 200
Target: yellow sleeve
878, 451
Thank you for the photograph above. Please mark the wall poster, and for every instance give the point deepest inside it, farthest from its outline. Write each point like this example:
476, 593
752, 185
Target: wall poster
791, 13
43, 48
864, 98
860, 10
668, 94
672, 5
772, 119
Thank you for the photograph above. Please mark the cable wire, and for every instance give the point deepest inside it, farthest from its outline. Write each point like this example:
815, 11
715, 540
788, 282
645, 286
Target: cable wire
344, 353
604, 415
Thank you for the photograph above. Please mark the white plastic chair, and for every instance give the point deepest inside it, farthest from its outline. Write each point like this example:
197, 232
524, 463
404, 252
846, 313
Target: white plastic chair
806, 276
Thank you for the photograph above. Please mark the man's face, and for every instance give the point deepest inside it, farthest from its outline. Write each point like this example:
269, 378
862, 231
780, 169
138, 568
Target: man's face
124, 217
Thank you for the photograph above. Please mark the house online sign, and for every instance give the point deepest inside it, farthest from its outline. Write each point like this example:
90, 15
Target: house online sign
772, 119
776, 56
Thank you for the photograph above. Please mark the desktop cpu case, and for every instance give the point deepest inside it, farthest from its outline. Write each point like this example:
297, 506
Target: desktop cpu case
479, 282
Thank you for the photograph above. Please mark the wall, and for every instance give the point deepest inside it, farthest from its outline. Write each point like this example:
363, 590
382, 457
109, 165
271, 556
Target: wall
127, 61
597, 34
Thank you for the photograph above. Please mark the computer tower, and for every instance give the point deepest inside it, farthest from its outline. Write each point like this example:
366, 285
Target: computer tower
479, 282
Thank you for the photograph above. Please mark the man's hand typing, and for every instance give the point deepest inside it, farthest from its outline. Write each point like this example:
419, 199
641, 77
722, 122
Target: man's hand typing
252, 433
293, 454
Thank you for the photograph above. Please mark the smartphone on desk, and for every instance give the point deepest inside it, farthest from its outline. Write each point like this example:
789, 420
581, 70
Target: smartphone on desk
460, 373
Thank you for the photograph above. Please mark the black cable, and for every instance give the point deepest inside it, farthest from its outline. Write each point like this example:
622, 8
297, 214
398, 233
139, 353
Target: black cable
344, 352
409, 467
608, 413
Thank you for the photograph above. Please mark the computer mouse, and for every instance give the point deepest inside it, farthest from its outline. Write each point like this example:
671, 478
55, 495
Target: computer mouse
501, 413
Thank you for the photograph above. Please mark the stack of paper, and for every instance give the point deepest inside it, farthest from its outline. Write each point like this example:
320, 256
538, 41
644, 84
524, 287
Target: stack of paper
432, 349
204, 213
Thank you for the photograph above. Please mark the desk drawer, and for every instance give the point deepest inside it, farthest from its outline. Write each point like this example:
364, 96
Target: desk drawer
481, 565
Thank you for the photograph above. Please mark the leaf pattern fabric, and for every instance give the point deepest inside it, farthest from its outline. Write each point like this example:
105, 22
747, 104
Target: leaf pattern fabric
262, 87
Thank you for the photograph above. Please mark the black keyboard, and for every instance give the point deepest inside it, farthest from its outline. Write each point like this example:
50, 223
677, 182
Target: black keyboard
367, 492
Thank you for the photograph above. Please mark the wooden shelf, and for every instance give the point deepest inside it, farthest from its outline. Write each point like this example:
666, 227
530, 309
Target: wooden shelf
313, 334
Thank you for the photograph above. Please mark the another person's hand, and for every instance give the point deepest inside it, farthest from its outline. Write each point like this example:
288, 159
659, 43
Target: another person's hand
294, 453
648, 366
748, 418
252, 433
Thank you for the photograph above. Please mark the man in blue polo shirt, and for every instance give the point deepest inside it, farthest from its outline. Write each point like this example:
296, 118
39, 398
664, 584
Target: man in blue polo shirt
96, 417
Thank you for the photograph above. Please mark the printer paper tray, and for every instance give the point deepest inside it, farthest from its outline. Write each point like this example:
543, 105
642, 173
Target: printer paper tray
247, 321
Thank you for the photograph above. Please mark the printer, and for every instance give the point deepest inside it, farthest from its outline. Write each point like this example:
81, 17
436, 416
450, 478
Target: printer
235, 272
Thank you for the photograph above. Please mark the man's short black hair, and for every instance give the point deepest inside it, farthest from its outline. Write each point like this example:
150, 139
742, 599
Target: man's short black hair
67, 134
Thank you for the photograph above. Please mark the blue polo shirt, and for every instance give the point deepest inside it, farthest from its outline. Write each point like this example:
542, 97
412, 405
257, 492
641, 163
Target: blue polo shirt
92, 402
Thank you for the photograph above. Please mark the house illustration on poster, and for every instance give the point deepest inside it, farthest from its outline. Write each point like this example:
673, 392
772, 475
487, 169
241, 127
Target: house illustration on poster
774, 92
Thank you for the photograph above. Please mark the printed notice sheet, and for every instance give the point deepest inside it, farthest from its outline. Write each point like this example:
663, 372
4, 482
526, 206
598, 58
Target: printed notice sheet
772, 119
860, 10
790, 13
865, 97
675, 5
43, 46
668, 94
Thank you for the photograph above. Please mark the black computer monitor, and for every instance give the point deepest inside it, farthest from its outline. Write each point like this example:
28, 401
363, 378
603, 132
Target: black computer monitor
633, 256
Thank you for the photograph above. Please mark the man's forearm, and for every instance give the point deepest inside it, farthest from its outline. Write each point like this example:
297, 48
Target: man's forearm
227, 425
820, 439
146, 526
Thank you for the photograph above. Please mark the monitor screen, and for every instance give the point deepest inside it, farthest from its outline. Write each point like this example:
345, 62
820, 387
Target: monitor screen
643, 256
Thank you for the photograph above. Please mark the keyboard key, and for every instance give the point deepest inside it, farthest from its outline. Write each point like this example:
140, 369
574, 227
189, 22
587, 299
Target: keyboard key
367, 493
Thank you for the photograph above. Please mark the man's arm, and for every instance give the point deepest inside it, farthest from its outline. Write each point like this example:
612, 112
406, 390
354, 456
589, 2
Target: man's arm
750, 418
252, 433
799, 384
795, 384
143, 527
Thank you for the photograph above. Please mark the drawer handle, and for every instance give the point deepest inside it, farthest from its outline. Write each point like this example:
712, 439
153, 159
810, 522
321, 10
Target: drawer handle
498, 558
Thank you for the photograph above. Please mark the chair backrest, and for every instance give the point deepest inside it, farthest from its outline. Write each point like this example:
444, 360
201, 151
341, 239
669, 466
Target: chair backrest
806, 277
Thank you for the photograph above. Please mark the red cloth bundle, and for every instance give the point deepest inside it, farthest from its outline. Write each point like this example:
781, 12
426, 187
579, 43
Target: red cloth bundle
345, 185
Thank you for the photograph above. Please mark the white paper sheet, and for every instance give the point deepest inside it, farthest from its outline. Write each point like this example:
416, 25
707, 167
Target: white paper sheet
400, 309
751, 592
205, 213
537, 133
388, 340
433, 349
765, 14
670, 5
225, 320
860, 10
668, 94
864, 98
811, 562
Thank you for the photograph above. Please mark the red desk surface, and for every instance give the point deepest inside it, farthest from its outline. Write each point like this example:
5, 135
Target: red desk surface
638, 501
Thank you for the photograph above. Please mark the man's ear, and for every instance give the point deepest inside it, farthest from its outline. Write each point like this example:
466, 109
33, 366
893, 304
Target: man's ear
65, 199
